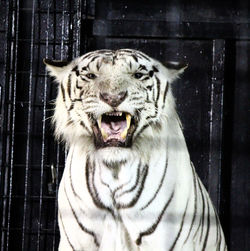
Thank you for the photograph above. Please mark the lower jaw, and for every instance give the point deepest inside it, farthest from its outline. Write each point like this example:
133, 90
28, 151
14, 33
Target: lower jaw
99, 143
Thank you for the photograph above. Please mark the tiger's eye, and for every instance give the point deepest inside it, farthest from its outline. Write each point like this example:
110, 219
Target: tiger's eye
91, 75
138, 75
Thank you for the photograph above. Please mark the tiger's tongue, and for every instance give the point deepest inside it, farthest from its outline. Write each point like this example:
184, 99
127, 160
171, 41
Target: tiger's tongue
114, 129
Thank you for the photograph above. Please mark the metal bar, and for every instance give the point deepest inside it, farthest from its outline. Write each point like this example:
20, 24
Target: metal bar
3, 88
58, 146
29, 128
78, 28
216, 119
11, 113
84, 35
62, 32
3, 168
43, 136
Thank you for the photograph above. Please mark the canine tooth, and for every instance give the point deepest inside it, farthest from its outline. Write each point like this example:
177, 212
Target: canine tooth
128, 118
104, 134
125, 132
99, 121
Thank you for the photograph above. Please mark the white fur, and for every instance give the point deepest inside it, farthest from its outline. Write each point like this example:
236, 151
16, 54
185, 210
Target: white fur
156, 147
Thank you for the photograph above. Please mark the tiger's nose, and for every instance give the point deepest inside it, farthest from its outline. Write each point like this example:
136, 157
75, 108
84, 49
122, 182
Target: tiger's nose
113, 99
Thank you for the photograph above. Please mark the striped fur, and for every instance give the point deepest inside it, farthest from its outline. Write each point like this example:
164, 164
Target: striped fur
143, 197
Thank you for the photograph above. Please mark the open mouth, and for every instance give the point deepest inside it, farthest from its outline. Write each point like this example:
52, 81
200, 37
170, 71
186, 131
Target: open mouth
114, 129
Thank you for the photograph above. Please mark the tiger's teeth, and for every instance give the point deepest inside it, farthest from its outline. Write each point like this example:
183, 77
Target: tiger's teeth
114, 114
99, 121
128, 118
104, 134
124, 133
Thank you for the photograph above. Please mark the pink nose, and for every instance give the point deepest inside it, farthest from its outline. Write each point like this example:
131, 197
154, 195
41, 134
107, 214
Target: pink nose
113, 99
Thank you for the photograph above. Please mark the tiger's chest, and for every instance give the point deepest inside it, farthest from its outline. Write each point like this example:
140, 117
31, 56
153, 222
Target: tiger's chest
119, 203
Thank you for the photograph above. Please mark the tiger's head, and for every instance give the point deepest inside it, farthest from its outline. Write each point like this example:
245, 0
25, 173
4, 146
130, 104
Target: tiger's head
113, 98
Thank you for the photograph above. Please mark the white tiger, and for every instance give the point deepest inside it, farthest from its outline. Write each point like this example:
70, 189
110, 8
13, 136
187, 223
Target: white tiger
128, 183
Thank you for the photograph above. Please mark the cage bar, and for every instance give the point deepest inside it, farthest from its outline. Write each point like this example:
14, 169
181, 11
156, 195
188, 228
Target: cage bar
32, 162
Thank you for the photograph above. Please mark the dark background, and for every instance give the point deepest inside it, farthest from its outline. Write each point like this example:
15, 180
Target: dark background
213, 99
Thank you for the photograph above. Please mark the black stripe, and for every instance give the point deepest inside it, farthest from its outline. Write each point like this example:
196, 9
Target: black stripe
71, 245
203, 209
89, 174
142, 67
63, 92
180, 230
98, 65
88, 55
85, 127
153, 96
83, 228
84, 79
94, 58
201, 192
77, 100
69, 86
208, 226
159, 187
147, 99
144, 127
105, 51
142, 55
70, 178
138, 193
69, 122
134, 57
114, 59
136, 182
82, 92
155, 69
219, 234
76, 195
113, 164
126, 50
71, 107
154, 226
217, 225
135, 98
87, 66
110, 165
76, 70
146, 78
195, 201
120, 187
78, 86
158, 83
165, 95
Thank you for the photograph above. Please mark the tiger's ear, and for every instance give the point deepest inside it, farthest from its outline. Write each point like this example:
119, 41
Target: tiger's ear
175, 69
56, 68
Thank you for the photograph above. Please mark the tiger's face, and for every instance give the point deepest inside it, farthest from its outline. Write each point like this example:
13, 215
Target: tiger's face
112, 97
